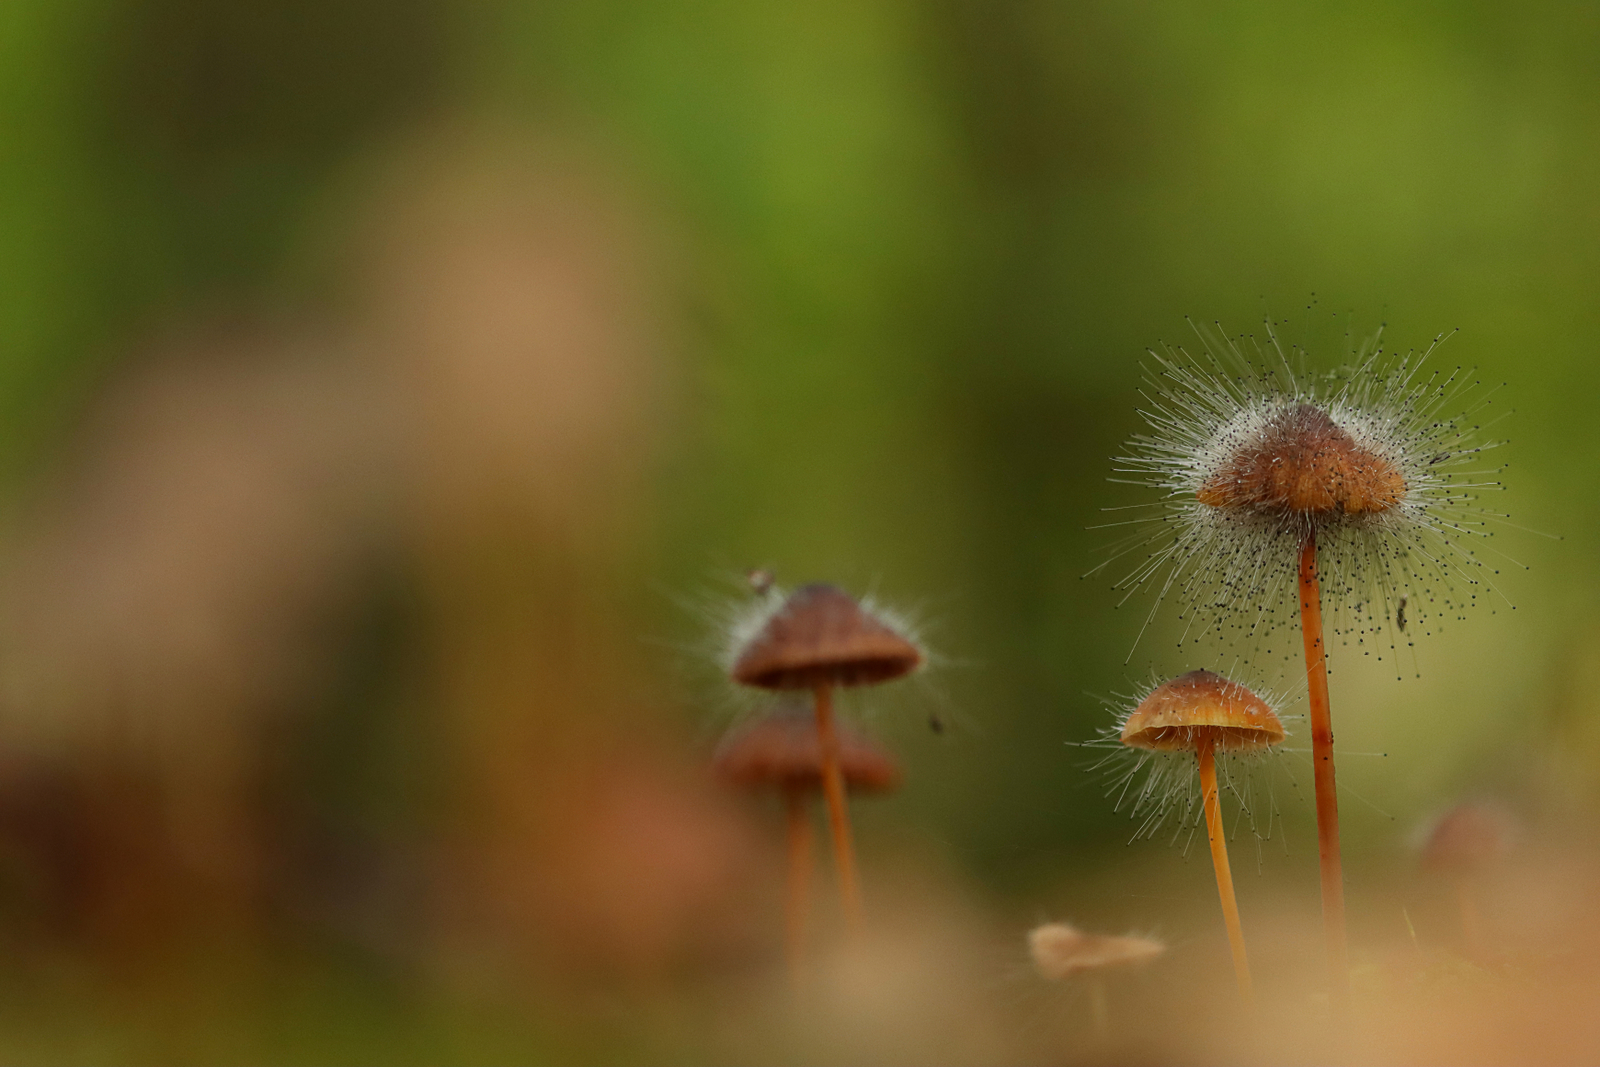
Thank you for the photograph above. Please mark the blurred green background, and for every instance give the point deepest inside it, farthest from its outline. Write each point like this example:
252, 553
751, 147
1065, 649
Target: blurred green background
907, 257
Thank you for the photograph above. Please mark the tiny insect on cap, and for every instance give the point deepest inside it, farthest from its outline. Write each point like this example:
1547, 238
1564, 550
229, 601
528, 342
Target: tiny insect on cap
782, 750
821, 636
1060, 950
1199, 705
1299, 460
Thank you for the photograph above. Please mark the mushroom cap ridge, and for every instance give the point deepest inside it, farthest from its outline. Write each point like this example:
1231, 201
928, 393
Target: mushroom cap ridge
1202, 704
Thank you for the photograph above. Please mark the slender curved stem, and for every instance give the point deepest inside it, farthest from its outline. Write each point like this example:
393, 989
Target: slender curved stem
1471, 923
1322, 764
844, 854
1219, 860
1099, 1008
799, 887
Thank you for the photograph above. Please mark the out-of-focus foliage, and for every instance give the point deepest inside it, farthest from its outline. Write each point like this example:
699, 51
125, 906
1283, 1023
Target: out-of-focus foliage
379, 380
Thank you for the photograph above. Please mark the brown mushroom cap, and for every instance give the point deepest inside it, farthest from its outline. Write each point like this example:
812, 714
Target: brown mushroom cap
821, 636
1301, 461
1201, 704
1469, 836
782, 749
1060, 950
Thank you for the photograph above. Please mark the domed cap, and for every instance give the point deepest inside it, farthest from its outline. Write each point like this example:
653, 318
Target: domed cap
1201, 705
1298, 460
821, 636
1060, 950
782, 749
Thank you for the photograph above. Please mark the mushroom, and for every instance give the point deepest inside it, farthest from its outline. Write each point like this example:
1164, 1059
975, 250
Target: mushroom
1202, 712
1462, 843
781, 750
819, 638
1061, 951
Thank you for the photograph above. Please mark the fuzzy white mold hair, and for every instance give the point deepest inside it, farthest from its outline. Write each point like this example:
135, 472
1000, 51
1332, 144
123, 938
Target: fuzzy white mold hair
1160, 790
1232, 570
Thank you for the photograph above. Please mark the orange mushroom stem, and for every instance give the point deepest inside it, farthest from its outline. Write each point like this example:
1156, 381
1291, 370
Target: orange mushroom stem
1329, 862
797, 838
1219, 862
844, 851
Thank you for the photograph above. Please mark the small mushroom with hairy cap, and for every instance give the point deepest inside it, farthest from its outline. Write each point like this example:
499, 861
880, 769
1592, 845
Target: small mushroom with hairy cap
1202, 712
781, 751
1202, 708
1060, 951
819, 638
822, 636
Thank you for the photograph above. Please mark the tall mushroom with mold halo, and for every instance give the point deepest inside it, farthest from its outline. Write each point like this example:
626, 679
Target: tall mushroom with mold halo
781, 751
817, 639
1359, 488
1204, 713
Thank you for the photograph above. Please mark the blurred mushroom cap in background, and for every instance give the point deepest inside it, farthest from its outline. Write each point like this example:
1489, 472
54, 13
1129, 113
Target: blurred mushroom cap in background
1060, 950
1467, 837
781, 750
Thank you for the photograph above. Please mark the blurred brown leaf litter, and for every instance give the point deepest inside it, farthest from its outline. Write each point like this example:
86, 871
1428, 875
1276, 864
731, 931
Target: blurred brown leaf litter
178, 590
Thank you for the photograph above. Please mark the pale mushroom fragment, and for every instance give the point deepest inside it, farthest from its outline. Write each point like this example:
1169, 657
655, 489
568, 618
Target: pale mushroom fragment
1061, 951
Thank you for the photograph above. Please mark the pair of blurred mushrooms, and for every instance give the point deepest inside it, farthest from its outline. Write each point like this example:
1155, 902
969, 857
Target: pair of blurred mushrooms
817, 639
